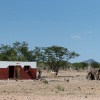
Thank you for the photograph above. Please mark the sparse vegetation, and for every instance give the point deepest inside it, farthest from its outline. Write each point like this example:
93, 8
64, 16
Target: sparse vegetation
59, 88
80, 65
45, 81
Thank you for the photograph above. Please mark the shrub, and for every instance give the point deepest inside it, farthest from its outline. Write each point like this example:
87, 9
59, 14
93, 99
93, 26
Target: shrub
45, 82
59, 88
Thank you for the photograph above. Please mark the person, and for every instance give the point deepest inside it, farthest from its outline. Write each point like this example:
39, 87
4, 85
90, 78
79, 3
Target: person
39, 74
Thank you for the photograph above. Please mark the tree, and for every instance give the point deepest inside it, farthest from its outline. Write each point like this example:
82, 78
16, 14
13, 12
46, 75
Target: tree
17, 52
54, 57
7, 53
38, 54
79, 65
24, 53
95, 65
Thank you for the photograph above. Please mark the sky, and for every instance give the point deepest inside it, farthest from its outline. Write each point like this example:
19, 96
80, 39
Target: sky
72, 24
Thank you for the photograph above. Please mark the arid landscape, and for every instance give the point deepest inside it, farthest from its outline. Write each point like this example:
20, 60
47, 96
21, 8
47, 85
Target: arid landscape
69, 85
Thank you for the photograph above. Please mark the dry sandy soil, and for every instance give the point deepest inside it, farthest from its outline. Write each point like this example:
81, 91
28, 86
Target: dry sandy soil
69, 85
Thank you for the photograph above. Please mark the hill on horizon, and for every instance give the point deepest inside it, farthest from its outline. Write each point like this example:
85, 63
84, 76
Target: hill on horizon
89, 61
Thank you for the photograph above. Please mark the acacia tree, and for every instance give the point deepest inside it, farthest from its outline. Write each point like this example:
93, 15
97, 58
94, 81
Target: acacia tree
23, 52
7, 53
17, 52
38, 54
54, 57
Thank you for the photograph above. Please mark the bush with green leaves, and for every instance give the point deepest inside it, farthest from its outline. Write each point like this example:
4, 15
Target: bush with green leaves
45, 82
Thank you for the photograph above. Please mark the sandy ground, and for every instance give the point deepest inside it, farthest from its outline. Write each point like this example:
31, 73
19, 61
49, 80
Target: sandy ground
69, 85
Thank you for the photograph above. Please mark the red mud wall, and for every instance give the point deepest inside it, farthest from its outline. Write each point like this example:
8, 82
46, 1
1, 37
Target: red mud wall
33, 73
4, 73
30, 74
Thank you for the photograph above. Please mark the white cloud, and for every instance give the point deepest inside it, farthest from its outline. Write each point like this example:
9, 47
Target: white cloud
76, 37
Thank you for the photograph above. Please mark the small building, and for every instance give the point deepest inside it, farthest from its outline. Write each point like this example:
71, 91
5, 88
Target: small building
17, 70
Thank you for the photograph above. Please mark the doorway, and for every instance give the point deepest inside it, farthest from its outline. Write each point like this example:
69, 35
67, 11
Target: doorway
11, 71
26, 68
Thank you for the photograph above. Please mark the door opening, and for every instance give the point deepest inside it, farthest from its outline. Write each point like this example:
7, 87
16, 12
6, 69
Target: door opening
26, 68
11, 71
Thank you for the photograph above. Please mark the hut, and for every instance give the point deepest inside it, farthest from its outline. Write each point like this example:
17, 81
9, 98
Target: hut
17, 70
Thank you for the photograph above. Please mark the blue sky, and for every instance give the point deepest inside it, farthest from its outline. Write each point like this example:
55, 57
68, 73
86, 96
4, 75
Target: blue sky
73, 24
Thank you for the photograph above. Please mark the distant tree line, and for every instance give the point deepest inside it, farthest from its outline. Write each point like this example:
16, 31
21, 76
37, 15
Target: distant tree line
83, 65
53, 57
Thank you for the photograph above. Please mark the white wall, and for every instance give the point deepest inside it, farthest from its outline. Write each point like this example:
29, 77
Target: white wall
5, 64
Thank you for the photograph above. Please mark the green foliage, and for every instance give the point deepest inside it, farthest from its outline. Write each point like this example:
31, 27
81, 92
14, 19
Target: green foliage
95, 65
23, 54
45, 81
39, 56
7, 53
81, 65
17, 52
65, 65
59, 88
54, 56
